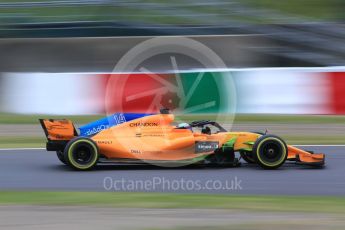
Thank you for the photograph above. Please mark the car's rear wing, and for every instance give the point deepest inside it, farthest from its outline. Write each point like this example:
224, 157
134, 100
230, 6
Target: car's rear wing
58, 132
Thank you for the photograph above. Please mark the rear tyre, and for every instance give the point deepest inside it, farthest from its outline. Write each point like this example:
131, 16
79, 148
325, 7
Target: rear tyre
270, 151
81, 153
248, 157
61, 157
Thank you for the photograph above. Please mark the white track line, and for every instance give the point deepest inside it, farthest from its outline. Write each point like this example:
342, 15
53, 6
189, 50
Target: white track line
14, 149
321, 145
10, 149
312, 69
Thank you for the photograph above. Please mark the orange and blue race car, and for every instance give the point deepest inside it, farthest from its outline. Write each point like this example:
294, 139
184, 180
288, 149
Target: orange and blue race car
154, 139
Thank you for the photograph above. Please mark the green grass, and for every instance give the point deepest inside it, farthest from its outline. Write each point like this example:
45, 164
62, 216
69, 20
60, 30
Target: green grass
313, 138
315, 9
166, 200
7, 118
39, 142
23, 142
90, 13
302, 119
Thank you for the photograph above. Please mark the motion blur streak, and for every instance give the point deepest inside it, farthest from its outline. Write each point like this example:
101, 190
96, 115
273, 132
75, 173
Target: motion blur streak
281, 91
296, 33
50, 93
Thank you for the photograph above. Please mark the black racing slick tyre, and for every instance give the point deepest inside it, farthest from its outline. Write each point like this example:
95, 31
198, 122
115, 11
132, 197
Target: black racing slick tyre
61, 157
270, 151
81, 153
247, 157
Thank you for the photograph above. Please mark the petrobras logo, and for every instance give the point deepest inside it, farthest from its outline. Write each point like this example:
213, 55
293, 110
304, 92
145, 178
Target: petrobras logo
206, 146
143, 124
95, 130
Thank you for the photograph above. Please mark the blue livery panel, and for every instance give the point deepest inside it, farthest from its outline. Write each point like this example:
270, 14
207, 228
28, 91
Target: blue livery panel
107, 122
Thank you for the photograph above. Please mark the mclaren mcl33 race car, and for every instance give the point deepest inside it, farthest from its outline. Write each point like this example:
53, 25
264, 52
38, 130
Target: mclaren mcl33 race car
152, 138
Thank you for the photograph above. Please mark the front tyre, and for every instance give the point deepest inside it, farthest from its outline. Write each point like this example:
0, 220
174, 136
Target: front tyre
270, 151
81, 153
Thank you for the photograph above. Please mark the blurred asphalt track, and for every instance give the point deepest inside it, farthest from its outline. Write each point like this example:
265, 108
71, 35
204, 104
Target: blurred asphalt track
36, 169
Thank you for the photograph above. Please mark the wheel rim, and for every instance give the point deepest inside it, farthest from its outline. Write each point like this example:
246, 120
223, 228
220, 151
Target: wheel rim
271, 152
83, 154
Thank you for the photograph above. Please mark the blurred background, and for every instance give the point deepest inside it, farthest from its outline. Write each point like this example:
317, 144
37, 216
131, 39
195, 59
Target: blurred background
52, 54
55, 56
42, 35
284, 60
